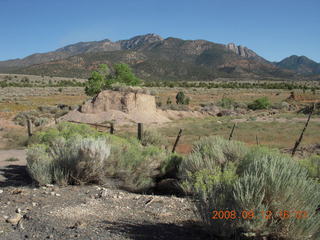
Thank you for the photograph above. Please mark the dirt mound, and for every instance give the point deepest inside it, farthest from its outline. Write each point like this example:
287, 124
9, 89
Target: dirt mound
121, 107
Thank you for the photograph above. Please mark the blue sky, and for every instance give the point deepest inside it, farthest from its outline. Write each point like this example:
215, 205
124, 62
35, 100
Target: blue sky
274, 29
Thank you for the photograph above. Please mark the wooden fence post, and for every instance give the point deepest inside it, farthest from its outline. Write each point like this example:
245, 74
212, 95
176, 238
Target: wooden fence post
231, 133
257, 140
140, 131
296, 145
111, 128
177, 140
29, 125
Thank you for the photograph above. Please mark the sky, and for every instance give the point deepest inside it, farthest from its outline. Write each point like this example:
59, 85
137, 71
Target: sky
274, 29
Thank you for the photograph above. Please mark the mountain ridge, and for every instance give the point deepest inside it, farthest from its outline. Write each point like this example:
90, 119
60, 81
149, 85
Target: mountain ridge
300, 64
152, 57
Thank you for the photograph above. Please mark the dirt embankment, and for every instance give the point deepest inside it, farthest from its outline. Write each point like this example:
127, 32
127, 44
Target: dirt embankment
125, 108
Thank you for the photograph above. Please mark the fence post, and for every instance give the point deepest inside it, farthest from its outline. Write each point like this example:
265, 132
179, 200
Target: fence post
29, 125
111, 128
140, 131
296, 145
231, 133
177, 140
257, 140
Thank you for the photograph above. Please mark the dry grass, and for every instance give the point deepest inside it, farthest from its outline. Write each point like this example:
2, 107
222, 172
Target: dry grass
202, 96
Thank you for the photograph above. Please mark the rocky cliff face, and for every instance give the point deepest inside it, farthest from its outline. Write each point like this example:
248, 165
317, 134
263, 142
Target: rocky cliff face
139, 41
241, 50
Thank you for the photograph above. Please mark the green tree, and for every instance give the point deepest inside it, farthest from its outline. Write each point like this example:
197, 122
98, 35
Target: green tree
182, 99
97, 81
102, 79
124, 74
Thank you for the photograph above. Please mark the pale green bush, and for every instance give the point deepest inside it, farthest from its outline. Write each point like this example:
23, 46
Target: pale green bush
312, 164
39, 164
263, 180
72, 161
137, 166
80, 154
152, 137
275, 182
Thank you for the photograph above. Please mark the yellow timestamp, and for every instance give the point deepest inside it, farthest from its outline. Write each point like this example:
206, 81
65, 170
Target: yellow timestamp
251, 214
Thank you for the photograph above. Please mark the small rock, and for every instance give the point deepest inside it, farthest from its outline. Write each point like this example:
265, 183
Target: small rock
49, 185
79, 225
104, 193
1, 191
34, 204
18, 210
15, 219
58, 195
52, 193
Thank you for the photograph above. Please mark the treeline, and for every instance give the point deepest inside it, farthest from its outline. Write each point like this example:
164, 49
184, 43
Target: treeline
263, 85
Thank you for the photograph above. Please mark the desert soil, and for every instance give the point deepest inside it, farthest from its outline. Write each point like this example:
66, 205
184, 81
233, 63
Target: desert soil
87, 212
94, 212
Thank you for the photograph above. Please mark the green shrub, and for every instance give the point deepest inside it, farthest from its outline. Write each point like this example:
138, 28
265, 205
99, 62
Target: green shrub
274, 182
210, 155
226, 103
313, 166
73, 152
262, 180
260, 103
72, 161
65, 130
181, 98
152, 137
39, 164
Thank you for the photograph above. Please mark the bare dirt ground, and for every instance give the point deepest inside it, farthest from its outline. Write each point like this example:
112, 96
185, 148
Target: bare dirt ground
94, 212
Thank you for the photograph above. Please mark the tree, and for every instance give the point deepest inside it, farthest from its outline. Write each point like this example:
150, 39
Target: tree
97, 80
124, 74
102, 79
182, 99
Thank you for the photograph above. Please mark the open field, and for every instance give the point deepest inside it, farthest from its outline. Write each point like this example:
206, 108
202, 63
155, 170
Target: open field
277, 130
106, 210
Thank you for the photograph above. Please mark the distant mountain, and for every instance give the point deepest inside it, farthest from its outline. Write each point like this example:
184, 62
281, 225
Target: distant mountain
79, 48
300, 64
152, 58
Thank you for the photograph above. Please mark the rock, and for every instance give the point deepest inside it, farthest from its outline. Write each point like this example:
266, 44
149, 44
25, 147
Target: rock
1, 191
34, 204
52, 193
79, 225
104, 193
127, 106
18, 210
58, 195
14, 220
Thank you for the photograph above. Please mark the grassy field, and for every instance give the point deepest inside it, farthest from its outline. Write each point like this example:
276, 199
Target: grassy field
280, 130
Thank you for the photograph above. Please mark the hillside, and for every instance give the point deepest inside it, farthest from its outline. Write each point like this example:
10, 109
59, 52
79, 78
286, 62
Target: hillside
300, 64
152, 58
